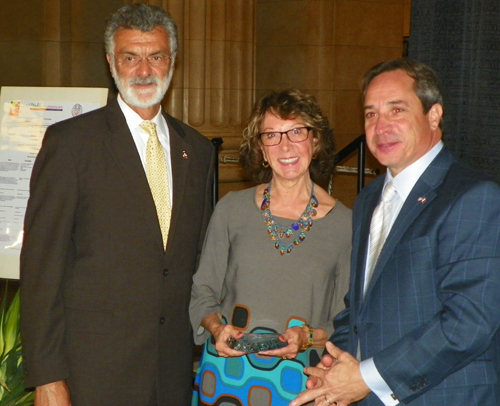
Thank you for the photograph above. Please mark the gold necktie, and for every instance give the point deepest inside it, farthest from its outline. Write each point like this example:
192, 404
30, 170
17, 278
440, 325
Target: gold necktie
157, 174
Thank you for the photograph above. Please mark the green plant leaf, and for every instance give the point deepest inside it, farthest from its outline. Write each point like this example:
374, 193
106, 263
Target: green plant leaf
12, 392
11, 327
3, 311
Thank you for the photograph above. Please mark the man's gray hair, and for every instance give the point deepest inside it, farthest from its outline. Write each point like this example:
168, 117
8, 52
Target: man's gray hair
141, 17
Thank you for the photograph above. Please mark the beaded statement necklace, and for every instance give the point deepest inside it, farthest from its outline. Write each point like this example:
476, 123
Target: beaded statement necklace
280, 234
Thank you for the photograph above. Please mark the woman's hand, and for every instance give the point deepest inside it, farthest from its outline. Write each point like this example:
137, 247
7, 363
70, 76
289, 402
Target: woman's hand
221, 332
295, 337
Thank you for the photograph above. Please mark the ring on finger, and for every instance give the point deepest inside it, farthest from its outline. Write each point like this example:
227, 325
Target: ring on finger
284, 357
327, 401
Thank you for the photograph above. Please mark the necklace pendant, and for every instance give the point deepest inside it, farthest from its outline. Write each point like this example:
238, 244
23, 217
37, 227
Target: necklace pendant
277, 232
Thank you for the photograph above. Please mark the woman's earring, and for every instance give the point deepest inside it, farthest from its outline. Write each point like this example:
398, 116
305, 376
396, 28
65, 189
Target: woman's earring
265, 164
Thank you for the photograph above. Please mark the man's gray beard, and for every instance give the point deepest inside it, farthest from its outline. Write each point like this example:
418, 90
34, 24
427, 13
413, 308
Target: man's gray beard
133, 97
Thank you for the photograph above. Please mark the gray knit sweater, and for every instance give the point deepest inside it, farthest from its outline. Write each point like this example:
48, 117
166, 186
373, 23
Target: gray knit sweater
240, 266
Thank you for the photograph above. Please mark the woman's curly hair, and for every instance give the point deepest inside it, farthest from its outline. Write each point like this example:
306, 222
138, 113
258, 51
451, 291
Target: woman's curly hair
287, 104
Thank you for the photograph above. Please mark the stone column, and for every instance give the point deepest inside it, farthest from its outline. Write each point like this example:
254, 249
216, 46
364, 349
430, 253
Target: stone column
213, 82
213, 85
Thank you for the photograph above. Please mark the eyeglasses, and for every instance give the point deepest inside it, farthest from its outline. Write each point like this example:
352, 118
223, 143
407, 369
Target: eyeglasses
131, 61
298, 134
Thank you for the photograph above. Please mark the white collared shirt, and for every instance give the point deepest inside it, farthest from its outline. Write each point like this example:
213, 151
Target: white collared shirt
403, 183
141, 137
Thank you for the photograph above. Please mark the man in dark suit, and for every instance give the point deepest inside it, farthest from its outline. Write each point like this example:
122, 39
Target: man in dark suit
106, 270
421, 326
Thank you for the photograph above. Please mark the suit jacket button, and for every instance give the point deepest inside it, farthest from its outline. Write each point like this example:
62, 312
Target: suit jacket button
165, 272
355, 329
418, 385
162, 320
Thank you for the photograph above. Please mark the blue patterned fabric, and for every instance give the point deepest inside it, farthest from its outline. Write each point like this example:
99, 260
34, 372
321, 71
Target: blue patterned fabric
430, 318
251, 379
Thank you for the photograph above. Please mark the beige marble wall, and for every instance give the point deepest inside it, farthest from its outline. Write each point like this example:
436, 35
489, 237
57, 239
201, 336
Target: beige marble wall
230, 52
323, 47
407, 18
213, 87
53, 42
213, 83
20, 53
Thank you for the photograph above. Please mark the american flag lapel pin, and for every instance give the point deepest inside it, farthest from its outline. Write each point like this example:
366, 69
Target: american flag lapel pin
422, 199
184, 155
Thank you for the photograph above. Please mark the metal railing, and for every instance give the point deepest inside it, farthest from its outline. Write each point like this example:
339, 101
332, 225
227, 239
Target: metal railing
358, 144
215, 187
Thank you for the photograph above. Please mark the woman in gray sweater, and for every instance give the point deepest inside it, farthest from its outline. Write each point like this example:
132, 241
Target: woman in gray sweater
275, 260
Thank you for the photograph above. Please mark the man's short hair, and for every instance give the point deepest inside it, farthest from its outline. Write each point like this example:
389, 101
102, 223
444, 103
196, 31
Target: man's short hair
142, 17
426, 85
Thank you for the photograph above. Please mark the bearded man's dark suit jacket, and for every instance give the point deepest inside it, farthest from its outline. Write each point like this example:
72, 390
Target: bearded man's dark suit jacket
431, 313
104, 307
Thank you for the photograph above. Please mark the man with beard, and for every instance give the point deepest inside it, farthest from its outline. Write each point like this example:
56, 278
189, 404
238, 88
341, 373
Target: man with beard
109, 248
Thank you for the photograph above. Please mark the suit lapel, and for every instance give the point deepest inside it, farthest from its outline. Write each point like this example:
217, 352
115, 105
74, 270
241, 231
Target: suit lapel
426, 186
409, 212
180, 156
122, 148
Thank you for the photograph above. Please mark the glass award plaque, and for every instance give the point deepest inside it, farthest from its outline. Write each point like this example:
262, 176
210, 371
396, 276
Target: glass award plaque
255, 342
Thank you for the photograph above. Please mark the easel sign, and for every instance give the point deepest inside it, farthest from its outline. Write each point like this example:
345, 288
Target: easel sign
25, 113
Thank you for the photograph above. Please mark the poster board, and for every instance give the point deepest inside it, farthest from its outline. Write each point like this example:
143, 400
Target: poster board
25, 113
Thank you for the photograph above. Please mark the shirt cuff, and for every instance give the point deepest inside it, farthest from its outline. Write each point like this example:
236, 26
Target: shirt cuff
376, 383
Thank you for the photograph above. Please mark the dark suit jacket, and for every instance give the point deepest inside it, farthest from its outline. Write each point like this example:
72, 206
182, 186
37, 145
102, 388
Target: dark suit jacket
103, 305
431, 313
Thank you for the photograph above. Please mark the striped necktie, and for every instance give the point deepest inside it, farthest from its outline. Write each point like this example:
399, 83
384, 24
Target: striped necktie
157, 174
379, 228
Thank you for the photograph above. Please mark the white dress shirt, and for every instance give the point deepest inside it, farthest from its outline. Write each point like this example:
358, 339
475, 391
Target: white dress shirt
140, 136
403, 183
